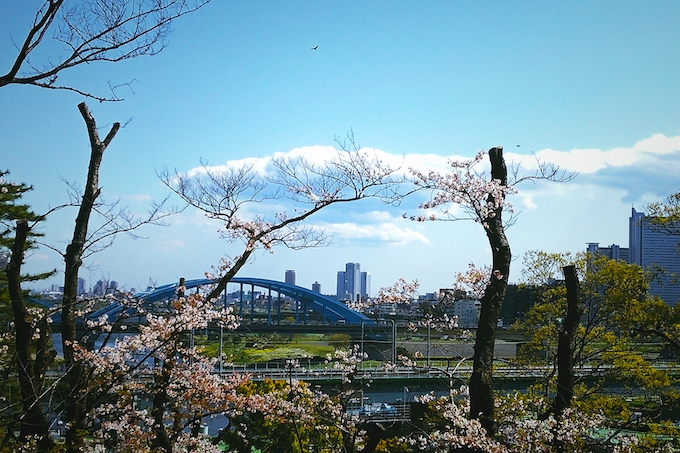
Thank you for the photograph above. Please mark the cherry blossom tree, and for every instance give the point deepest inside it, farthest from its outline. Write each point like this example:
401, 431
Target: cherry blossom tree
154, 388
31, 327
290, 415
445, 426
482, 199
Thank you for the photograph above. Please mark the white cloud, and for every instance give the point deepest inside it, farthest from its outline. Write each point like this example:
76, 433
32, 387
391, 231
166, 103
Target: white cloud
592, 160
528, 203
40, 257
386, 232
318, 155
659, 144
378, 216
598, 168
260, 165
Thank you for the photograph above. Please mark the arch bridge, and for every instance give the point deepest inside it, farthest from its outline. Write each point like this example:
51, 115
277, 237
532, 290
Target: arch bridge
253, 306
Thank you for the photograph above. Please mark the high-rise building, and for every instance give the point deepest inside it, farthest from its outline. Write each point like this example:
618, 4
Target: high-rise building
316, 287
81, 286
290, 277
99, 288
352, 284
365, 285
353, 279
341, 292
651, 249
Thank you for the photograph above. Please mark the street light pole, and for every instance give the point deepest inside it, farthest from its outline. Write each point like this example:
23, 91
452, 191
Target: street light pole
362, 344
428, 344
394, 341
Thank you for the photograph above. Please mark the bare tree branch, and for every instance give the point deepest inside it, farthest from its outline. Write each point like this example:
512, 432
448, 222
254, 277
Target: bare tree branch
92, 31
231, 194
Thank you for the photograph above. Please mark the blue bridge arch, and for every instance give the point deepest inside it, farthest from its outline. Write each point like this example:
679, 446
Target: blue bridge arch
331, 310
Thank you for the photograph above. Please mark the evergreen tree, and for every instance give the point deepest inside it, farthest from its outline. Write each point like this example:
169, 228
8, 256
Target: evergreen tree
25, 340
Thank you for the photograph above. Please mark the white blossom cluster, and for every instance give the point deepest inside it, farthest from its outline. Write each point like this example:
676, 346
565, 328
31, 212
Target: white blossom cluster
348, 361
465, 187
459, 431
129, 371
521, 429
473, 281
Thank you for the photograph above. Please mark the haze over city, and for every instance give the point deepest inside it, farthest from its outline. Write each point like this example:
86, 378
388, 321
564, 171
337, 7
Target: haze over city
591, 87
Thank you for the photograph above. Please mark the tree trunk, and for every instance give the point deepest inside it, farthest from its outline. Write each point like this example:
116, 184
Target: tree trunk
161, 440
565, 368
31, 373
481, 382
231, 273
75, 402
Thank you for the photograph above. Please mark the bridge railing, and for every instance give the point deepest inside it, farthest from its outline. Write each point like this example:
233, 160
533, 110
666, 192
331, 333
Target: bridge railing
274, 372
410, 373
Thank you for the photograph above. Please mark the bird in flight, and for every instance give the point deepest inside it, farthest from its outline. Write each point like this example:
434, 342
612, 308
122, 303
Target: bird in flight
314, 48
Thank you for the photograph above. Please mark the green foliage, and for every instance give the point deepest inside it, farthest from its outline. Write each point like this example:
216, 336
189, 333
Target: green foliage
393, 445
264, 348
272, 354
518, 300
12, 395
339, 340
11, 209
665, 215
616, 323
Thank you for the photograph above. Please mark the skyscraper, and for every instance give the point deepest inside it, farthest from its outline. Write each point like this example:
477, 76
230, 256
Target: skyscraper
653, 249
352, 284
365, 285
290, 277
353, 280
316, 287
341, 292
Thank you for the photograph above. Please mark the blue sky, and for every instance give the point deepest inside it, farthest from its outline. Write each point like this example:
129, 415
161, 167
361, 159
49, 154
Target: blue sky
592, 86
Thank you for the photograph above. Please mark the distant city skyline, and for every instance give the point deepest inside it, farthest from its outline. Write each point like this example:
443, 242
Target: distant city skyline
353, 284
350, 283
